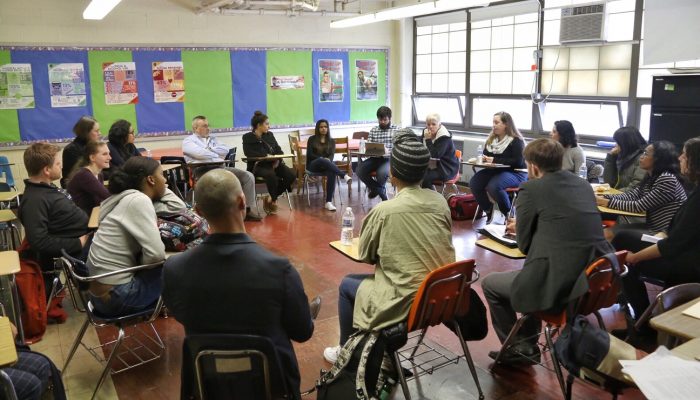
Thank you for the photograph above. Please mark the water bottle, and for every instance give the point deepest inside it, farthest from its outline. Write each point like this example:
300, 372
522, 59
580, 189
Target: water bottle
583, 171
149, 154
346, 231
362, 145
479, 154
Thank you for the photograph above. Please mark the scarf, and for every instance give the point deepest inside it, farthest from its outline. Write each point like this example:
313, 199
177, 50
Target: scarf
498, 147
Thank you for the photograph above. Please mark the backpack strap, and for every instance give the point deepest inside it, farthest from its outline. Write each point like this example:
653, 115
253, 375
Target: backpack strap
343, 359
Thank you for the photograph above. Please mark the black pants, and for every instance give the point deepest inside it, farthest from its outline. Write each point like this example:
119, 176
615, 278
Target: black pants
278, 179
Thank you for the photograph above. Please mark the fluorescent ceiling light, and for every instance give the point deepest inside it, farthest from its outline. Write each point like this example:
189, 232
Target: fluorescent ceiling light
98, 9
414, 10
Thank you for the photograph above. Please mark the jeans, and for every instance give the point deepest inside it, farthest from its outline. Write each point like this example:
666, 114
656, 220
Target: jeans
497, 286
327, 167
372, 164
432, 175
143, 290
346, 303
29, 375
494, 182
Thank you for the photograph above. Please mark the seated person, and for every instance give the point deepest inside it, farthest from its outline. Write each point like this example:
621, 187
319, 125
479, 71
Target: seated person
87, 129
51, 220
121, 143
382, 133
439, 142
564, 133
553, 275
621, 169
261, 142
660, 193
127, 236
674, 259
320, 151
261, 292
388, 239
86, 186
503, 146
200, 146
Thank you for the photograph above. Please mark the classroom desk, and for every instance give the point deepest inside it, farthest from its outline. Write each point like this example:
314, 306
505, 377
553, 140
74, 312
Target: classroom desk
9, 196
689, 350
353, 144
269, 157
94, 220
498, 248
609, 210
484, 165
165, 167
6, 164
9, 265
10, 231
156, 154
352, 251
675, 323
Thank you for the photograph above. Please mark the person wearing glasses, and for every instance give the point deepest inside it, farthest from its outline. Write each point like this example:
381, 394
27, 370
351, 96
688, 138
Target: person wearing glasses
121, 142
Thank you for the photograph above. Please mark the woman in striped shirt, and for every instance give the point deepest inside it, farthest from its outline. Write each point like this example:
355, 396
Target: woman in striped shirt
659, 195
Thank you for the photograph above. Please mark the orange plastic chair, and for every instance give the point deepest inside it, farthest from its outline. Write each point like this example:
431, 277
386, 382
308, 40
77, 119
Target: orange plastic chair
452, 182
443, 295
603, 288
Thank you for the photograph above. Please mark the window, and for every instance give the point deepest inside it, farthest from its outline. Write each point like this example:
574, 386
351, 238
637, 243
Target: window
644, 120
501, 54
519, 109
591, 118
441, 54
449, 108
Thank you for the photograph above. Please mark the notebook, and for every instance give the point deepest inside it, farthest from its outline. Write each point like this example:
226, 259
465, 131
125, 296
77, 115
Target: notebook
375, 149
498, 233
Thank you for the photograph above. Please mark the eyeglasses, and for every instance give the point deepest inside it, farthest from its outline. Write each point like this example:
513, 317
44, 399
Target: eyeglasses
645, 153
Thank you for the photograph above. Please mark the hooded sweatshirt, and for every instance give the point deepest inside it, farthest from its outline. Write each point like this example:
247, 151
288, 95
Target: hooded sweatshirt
127, 236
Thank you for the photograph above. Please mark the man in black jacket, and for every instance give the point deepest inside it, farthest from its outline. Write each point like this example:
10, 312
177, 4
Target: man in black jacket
230, 284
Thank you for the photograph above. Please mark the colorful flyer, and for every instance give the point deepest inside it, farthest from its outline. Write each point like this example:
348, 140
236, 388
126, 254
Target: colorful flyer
366, 79
168, 82
287, 82
330, 80
120, 83
16, 90
67, 85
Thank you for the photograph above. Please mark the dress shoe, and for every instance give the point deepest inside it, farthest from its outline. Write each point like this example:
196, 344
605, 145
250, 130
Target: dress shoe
315, 307
251, 216
524, 355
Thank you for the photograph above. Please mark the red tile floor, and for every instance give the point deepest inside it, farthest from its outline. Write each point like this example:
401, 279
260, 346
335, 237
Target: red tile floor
302, 235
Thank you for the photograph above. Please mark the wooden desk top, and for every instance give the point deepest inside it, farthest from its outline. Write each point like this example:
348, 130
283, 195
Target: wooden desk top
352, 252
484, 165
268, 157
9, 262
689, 350
94, 221
7, 216
9, 196
505, 251
353, 144
8, 351
156, 154
604, 192
675, 323
620, 212
166, 167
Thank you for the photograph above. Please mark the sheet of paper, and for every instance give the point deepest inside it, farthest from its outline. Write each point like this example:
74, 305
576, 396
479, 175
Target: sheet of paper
499, 231
649, 238
693, 311
661, 375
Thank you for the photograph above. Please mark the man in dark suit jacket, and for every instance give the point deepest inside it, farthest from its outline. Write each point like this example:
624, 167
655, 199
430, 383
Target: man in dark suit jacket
560, 229
230, 284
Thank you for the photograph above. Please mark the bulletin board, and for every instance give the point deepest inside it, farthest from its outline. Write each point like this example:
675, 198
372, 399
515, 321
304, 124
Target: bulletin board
44, 91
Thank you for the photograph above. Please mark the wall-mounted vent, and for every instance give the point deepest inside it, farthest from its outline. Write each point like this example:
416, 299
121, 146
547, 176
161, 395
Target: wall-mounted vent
584, 23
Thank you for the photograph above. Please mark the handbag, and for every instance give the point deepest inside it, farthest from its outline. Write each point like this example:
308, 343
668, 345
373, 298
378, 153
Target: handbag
181, 230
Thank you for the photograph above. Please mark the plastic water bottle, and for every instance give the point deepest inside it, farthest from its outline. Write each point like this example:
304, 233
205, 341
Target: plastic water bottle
346, 231
583, 171
362, 145
149, 154
479, 154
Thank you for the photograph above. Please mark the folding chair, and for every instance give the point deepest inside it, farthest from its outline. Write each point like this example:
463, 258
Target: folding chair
603, 287
219, 366
664, 301
178, 178
451, 182
443, 295
127, 351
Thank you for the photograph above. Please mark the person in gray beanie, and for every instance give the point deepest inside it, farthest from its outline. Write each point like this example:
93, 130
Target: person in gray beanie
405, 238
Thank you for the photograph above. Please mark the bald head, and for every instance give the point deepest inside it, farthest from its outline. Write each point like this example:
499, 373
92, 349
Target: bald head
218, 194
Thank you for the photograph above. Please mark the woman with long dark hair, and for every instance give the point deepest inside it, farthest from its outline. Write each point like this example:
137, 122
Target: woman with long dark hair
261, 142
121, 142
622, 169
564, 133
659, 195
87, 129
127, 236
320, 150
674, 258
86, 185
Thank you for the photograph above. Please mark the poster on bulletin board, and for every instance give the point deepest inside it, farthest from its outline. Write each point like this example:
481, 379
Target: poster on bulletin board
366, 80
168, 82
120, 83
67, 85
16, 90
331, 81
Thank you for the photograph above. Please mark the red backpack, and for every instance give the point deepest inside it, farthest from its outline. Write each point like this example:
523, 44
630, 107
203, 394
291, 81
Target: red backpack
462, 206
30, 284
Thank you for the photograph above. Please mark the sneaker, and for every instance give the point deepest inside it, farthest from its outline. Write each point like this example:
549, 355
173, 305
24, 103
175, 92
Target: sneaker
331, 354
348, 179
329, 206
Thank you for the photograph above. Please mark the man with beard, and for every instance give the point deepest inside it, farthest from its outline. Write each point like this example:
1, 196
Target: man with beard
383, 133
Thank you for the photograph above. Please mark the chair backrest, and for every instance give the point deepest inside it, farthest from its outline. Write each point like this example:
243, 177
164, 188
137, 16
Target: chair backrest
7, 171
342, 146
458, 154
360, 135
668, 299
231, 157
603, 284
443, 294
299, 158
231, 366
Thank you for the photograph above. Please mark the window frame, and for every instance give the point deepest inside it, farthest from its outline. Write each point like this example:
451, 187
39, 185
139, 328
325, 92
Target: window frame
417, 120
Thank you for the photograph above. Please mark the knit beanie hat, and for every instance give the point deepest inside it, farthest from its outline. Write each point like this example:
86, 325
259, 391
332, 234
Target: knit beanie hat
409, 157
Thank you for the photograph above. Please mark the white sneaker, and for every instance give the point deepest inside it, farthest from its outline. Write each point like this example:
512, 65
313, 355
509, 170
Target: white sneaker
348, 179
331, 354
329, 206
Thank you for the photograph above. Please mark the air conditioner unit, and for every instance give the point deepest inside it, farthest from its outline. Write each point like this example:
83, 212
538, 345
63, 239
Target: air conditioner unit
584, 23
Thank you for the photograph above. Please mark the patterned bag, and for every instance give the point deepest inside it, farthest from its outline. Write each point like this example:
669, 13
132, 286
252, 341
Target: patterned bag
181, 230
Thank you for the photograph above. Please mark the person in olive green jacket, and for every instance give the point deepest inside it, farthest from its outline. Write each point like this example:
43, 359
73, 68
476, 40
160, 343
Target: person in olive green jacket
622, 169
